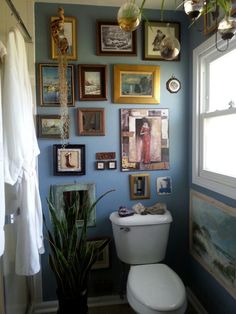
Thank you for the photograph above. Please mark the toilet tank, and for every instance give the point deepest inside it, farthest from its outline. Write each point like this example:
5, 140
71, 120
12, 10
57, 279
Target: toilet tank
141, 239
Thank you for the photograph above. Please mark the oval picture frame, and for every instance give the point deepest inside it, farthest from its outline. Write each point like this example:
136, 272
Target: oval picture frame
173, 85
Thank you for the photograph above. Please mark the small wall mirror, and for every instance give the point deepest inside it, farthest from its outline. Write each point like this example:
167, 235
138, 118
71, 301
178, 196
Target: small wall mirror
82, 193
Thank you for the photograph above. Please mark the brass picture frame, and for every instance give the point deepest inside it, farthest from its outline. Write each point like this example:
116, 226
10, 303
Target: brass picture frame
139, 186
70, 31
91, 121
136, 84
92, 82
49, 126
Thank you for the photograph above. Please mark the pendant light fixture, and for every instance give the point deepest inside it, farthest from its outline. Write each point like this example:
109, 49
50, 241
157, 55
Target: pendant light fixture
129, 16
193, 8
169, 46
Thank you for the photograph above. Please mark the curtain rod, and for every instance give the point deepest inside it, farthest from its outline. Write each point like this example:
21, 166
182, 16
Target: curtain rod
27, 36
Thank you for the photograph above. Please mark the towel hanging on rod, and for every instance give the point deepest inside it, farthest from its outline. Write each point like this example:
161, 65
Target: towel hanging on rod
16, 14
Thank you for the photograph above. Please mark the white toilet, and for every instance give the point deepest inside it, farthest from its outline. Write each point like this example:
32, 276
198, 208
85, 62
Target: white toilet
141, 241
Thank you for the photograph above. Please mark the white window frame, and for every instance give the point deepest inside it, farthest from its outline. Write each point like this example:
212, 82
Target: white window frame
221, 184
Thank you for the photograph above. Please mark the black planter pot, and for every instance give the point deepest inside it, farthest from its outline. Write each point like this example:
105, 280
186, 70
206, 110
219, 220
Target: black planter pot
76, 305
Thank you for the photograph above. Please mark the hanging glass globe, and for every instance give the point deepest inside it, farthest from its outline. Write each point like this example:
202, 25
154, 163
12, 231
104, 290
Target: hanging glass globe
227, 27
129, 16
170, 46
193, 8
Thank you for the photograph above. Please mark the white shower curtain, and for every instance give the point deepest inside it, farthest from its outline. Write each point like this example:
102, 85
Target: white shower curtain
20, 152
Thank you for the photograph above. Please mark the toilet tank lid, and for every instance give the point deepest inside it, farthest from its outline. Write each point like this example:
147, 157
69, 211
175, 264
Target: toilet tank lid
140, 220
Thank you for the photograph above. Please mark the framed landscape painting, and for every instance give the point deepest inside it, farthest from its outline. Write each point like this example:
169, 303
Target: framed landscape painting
212, 238
144, 139
50, 126
113, 41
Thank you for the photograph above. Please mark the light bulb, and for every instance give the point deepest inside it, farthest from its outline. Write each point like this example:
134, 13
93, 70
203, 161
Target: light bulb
129, 16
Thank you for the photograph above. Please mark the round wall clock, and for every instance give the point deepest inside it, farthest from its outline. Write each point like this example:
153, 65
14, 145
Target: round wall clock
173, 85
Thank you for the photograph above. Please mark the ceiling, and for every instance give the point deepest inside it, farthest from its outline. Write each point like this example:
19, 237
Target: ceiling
150, 4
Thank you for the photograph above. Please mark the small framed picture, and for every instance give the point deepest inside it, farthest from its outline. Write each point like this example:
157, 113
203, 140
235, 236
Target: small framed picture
49, 85
49, 126
173, 85
70, 32
113, 41
93, 82
139, 186
154, 33
111, 164
103, 260
164, 185
91, 121
100, 165
136, 84
69, 160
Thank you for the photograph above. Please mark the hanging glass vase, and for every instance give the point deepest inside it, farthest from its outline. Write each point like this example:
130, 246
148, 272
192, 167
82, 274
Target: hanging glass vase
193, 8
170, 46
129, 16
227, 27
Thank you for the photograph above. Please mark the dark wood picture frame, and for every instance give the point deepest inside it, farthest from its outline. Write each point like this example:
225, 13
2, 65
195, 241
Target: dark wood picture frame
111, 164
92, 82
70, 32
91, 121
113, 41
103, 260
69, 159
48, 126
100, 165
153, 33
49, 85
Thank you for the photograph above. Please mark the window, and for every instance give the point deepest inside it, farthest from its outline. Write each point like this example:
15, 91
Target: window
214, 118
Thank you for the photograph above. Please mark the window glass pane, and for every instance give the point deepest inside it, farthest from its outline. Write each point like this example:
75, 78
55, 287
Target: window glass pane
220, 145
222, 81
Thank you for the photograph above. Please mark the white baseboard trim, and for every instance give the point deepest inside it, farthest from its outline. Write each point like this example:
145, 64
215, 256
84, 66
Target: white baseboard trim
195, 302
51, 306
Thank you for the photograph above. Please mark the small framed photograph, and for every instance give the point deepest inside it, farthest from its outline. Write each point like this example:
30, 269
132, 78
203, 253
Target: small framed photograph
136, 84
139, 186
49, 85
113, 41
49, 126
154, 33
111, 164
173, 85
91, 121
100, 165
70, 32
164, 185
93, 82
69, 160
103, 260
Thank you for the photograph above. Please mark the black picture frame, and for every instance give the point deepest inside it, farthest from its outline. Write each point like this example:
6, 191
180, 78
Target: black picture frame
69, 160
173, 85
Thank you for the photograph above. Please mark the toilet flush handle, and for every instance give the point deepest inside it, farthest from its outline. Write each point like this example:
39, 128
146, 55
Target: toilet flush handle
126, 229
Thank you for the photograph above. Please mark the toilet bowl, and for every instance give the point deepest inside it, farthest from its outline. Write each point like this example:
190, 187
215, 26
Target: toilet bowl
155, 289
141, 241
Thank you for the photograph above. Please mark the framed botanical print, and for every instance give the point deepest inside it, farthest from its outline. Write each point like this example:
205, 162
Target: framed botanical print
113, 41
154, 33
93, 82
136, 84
70, 32
69, 160
144, 139
49, 85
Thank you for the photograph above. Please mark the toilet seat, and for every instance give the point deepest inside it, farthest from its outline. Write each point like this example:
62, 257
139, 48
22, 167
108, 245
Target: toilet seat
155, 288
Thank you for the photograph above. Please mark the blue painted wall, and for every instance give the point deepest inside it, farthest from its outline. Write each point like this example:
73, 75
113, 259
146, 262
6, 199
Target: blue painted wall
108, 281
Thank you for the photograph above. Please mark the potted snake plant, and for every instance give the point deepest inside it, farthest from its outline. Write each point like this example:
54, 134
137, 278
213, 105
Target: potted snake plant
72, 255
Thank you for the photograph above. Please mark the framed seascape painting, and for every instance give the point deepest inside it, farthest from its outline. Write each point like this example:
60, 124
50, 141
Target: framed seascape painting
70, 32
136, 84
69, 160
113, 41
144, 139
212, 238
93, 82
49, 85
154, 33
50, 126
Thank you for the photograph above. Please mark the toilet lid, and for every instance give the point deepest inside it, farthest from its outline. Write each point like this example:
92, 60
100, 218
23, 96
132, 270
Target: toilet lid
156, 286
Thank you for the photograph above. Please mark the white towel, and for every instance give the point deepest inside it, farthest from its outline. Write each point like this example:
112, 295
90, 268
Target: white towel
20, 152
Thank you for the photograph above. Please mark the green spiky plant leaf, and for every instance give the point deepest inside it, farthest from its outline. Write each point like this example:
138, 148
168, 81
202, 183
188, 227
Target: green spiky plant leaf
72, 255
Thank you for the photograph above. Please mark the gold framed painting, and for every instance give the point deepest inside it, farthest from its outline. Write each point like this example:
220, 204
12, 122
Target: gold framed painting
139, 186
70, 31
136, 84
